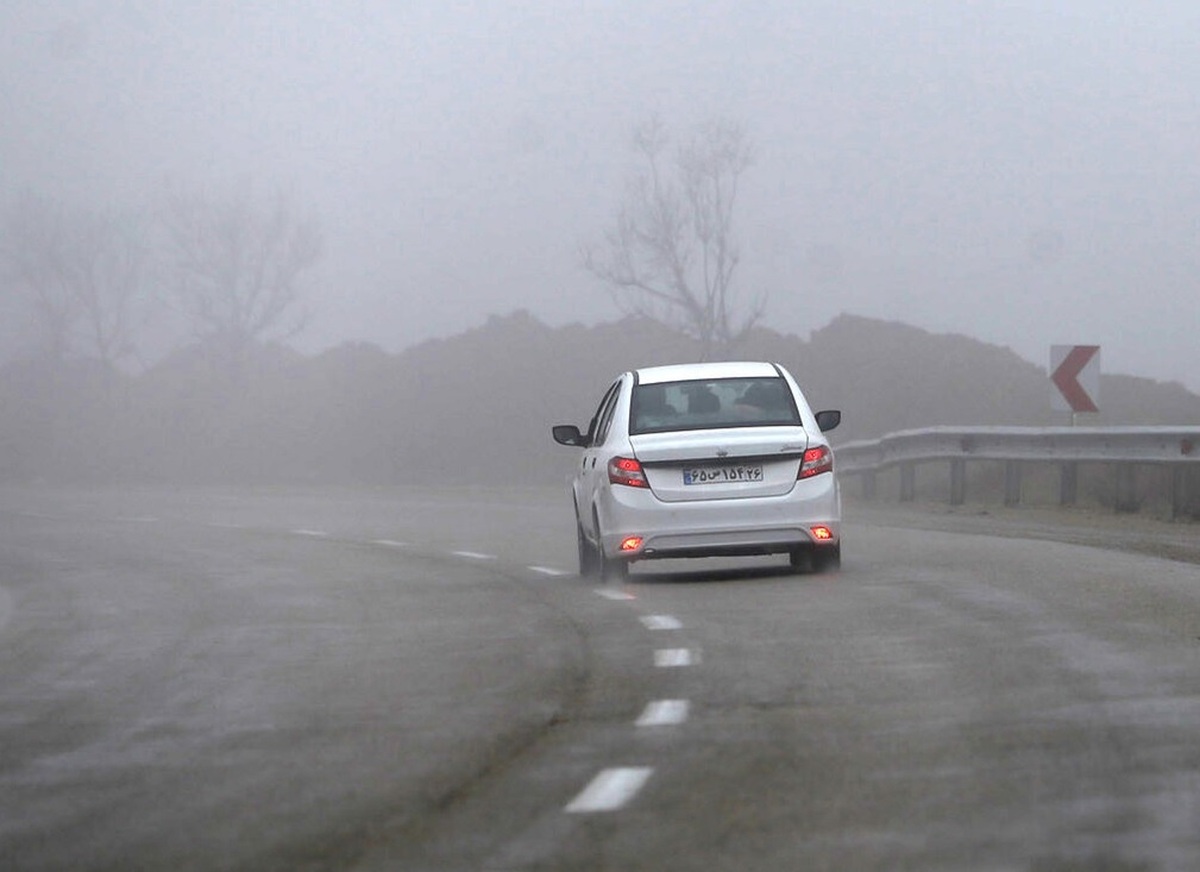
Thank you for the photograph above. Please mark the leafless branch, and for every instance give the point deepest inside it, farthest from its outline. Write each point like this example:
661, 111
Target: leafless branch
238, 265
671, 253
82, 273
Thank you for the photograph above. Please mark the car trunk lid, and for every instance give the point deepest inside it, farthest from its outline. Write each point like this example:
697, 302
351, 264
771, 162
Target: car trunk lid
730, 463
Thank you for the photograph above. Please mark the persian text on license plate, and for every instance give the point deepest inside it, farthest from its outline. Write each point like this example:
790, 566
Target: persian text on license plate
722, 474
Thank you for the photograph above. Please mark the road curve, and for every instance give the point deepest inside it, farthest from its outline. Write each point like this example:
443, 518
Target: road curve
413, 680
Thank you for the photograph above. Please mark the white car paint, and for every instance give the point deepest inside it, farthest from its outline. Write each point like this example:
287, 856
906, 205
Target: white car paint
763, 507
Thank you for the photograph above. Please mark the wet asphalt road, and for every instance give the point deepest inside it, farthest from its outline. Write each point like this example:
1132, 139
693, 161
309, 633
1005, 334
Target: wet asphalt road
413, 680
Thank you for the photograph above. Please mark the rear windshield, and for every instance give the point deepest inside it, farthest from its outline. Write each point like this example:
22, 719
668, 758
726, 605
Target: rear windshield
728, 402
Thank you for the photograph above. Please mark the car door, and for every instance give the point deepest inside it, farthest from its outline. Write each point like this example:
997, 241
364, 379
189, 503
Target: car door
593, 470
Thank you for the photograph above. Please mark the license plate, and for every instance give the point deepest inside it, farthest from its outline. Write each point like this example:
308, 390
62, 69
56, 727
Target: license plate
722, 474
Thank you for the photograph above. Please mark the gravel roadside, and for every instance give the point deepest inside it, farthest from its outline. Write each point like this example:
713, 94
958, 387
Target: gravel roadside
1141, 534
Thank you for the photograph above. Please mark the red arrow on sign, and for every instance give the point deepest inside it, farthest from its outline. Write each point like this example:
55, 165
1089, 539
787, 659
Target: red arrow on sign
1066, 378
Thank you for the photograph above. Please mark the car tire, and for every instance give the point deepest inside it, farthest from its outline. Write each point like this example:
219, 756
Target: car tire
613, 570
589, 562
827, 559
609, 569
815, 559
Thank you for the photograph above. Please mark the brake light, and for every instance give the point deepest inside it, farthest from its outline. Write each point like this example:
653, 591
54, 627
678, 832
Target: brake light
631, 543
816, 460
821, 532
627, 471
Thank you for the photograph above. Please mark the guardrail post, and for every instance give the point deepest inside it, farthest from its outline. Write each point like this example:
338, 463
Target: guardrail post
958, 482
1068, 484
1179, 492
1012, 482
908, 482
1125, 493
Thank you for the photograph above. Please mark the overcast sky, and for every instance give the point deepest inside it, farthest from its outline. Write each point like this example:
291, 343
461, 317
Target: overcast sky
1023, 172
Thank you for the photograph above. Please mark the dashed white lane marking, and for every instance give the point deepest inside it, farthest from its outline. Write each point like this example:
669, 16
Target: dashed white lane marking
610, 790
389, 543
614, 594
473, 555
546, 570
661, 622
317, 534
664, 713
667, 657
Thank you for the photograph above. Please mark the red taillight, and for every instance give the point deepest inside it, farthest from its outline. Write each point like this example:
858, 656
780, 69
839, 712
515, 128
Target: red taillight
821, 532
631, 543
627, 471
816, 460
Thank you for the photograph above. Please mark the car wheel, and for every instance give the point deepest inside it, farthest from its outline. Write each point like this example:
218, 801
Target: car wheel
827, 559
609, 569
816, 559
588, 554
613, 569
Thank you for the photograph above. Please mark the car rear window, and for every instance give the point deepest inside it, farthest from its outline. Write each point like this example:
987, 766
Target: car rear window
694, 405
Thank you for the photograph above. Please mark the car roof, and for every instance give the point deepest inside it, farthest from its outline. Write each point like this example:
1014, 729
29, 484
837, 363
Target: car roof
698, 371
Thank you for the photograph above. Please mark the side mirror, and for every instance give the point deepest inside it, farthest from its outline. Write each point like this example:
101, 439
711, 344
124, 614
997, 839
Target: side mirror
568, 434
828, 419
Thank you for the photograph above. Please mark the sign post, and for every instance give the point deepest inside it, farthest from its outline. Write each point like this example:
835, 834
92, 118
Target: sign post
1075, 375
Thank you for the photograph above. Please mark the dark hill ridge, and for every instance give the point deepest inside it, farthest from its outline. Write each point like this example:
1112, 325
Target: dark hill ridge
477, 408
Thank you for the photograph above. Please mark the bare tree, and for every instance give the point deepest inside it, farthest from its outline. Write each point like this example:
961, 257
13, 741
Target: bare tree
82, 272
110, 279
671, 254
237, 264
34, 251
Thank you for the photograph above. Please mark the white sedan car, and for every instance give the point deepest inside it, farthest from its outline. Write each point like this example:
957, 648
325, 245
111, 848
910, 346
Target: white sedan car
703, 460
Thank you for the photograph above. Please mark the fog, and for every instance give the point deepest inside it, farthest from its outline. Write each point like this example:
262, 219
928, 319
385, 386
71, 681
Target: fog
1024, 173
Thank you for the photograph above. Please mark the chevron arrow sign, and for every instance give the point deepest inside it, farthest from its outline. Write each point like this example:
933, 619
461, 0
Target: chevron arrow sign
1075, 374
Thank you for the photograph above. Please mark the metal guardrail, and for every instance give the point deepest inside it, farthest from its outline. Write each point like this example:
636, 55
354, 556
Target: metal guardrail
1048, 444
1123, 447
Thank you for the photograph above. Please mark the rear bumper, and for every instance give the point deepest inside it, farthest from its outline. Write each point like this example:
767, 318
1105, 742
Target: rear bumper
752, 525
